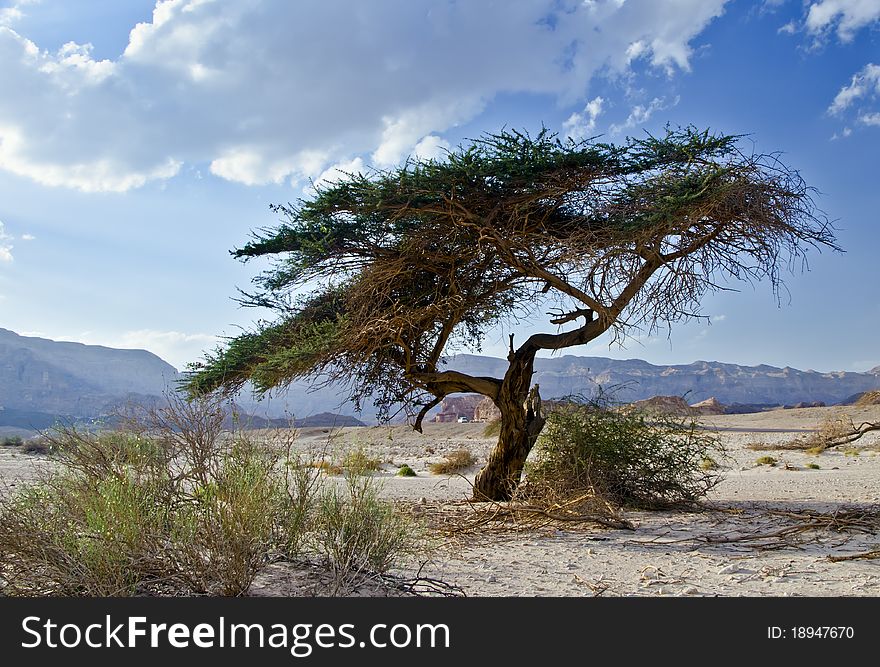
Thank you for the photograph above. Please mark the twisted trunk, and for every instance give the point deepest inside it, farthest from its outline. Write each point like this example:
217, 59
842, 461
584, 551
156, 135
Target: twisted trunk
521, 423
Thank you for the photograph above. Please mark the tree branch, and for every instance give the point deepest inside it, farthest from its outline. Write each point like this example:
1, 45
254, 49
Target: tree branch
450, 382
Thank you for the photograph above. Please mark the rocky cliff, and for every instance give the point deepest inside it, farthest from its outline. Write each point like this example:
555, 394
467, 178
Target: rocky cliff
76, 379
634, 379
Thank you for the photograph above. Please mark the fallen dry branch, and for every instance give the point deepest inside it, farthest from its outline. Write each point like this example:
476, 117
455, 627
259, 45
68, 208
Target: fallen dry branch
851, 435
867, 555
791, 445
803, 523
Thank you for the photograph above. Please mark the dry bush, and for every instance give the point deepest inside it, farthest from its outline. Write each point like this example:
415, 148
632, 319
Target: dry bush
357, 460
358, 534
179, 506
454, 461
149, 511
597, 457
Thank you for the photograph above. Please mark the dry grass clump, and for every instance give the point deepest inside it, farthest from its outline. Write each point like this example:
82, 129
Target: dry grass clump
357, 460
606, 458
178, 506
766, 461
454, 461
492, 429
360, 461
327, 467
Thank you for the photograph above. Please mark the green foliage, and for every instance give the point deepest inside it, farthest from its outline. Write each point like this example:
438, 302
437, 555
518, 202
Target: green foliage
359, 534
766, 461
177, 506
406, 471
11, 441
622, 457
814, 466
405, 264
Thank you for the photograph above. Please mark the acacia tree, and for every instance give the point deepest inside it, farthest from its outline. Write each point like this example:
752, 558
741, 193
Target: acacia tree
376, 277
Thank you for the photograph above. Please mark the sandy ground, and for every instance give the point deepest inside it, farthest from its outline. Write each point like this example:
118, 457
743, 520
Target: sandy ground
668, 553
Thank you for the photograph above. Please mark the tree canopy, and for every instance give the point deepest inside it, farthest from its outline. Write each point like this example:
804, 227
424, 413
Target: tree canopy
379, 275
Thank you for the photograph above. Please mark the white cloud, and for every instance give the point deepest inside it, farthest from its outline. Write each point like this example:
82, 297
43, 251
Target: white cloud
268, 92
175, 347
864, 83
862, 92
641, 114
338, 172
28, 237
431, 147
13, 13
580, 126
5, 245
845, 17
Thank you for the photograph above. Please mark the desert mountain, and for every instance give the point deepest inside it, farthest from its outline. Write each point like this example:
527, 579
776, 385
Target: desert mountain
40, 377
633, 380
43, 380
48, 376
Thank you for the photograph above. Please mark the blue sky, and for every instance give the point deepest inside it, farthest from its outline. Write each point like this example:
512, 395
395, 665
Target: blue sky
141, 141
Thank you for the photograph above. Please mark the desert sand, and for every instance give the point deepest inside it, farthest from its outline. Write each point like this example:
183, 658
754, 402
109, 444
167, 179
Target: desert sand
747, 541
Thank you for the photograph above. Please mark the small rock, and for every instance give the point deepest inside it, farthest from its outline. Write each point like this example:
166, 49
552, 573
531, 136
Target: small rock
571, 566
689, 590
491, 579
423, 501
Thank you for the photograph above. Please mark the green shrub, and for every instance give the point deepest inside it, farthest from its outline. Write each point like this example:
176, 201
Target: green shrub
766, 461
814, 466
11, 441
183, 508
620, 457
357, 533
406, 471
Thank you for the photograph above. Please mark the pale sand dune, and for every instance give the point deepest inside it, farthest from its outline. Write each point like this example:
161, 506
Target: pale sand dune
669, 553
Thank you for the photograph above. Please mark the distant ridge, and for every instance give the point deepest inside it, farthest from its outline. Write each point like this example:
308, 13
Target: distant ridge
634, 380
41, 378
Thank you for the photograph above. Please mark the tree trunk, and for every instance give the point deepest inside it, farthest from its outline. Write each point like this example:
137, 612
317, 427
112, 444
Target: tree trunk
521, 423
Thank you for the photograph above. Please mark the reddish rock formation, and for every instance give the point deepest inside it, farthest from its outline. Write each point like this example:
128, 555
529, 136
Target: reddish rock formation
461, 405
711, 406
486, 411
